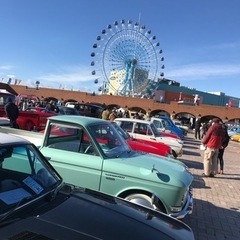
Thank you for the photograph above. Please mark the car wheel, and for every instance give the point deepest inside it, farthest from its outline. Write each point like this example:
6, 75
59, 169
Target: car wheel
141, 199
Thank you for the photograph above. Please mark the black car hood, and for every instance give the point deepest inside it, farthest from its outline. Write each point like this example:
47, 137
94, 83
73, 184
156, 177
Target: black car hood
88, 214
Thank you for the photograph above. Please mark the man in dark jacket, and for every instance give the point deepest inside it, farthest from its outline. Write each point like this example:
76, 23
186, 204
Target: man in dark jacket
213, 142
225, 142
197, 128
12, 112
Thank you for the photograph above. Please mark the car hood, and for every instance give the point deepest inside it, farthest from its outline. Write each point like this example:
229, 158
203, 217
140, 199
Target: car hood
87, 214
149, 167
140, 146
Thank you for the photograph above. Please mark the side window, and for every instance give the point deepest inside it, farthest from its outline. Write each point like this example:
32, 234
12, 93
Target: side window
126, 126
64, 137
70, 138
149, 131
140, 128
137, 128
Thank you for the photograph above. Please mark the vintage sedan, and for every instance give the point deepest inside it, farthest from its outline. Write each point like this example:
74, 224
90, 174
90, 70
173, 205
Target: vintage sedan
169, 125
146, 131
136, 144
37, 204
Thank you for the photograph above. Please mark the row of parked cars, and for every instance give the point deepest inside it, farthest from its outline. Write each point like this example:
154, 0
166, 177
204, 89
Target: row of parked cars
37, 204
129, 189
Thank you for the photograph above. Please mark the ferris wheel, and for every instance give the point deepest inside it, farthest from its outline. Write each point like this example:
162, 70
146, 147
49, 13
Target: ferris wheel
126, 59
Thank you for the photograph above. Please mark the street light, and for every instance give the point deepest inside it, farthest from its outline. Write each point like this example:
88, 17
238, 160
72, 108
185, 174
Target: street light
37, 85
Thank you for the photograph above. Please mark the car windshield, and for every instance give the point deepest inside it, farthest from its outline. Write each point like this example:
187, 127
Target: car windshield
155, 130
23, 175
123, 133
109, 140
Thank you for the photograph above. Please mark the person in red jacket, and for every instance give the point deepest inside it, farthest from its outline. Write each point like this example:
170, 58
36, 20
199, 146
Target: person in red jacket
213, 142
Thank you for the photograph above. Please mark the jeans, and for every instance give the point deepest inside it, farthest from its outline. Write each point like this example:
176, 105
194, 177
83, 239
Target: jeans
220, 158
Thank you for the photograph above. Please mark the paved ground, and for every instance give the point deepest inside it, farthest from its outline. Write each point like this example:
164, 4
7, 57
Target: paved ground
216, 213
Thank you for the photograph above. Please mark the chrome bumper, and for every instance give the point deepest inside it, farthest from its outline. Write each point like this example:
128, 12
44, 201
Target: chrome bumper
187, 209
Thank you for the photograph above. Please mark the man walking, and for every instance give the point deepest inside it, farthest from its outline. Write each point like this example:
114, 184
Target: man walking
213, 142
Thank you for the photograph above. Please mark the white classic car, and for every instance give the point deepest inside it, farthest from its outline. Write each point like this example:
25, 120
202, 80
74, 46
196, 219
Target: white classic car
147, 132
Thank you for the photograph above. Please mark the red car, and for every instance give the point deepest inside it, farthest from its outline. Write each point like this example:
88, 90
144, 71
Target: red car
165, 134
138, 145
34, 118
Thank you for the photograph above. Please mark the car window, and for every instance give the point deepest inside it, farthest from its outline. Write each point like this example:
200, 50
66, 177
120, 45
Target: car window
111, 143
144, 129
158, 124
126, 126
22, 173
70, 138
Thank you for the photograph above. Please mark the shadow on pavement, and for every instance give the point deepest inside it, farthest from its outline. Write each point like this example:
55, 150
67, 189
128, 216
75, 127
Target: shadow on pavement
211, 222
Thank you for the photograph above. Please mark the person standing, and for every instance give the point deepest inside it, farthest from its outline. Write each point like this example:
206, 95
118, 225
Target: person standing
225, 142
105, 114
213, 142
12, 112
113, 115
197, 128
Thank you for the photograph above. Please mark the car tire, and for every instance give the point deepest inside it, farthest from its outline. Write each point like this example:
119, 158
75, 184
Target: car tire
141, 199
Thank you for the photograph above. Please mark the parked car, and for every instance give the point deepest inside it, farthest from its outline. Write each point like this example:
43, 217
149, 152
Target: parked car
236, 137
169, 134
137, 145
146, 131
184, 128
34, 118
169, 125
161, 126
87, 109
68, 111
90, 152
233, 130
37, 204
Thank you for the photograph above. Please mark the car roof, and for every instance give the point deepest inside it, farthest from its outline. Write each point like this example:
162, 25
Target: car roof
6, 139
132, 120
83, 120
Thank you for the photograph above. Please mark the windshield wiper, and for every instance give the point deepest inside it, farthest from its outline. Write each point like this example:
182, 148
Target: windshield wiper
15, 207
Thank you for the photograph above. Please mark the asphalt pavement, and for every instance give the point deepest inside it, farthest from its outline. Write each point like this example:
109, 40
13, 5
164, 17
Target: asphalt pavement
216, 212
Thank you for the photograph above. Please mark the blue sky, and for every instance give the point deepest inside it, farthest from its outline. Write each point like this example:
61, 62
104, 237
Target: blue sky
51, 40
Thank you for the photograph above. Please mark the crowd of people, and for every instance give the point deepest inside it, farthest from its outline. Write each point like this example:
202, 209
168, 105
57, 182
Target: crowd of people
111, 114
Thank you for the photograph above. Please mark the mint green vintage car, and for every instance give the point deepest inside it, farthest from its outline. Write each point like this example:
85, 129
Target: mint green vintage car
89, 152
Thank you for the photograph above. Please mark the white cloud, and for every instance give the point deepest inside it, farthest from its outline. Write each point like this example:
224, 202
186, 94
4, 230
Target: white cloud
5, 67
68, 74
203, 71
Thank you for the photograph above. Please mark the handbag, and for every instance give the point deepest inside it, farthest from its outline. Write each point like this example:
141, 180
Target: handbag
202, 147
